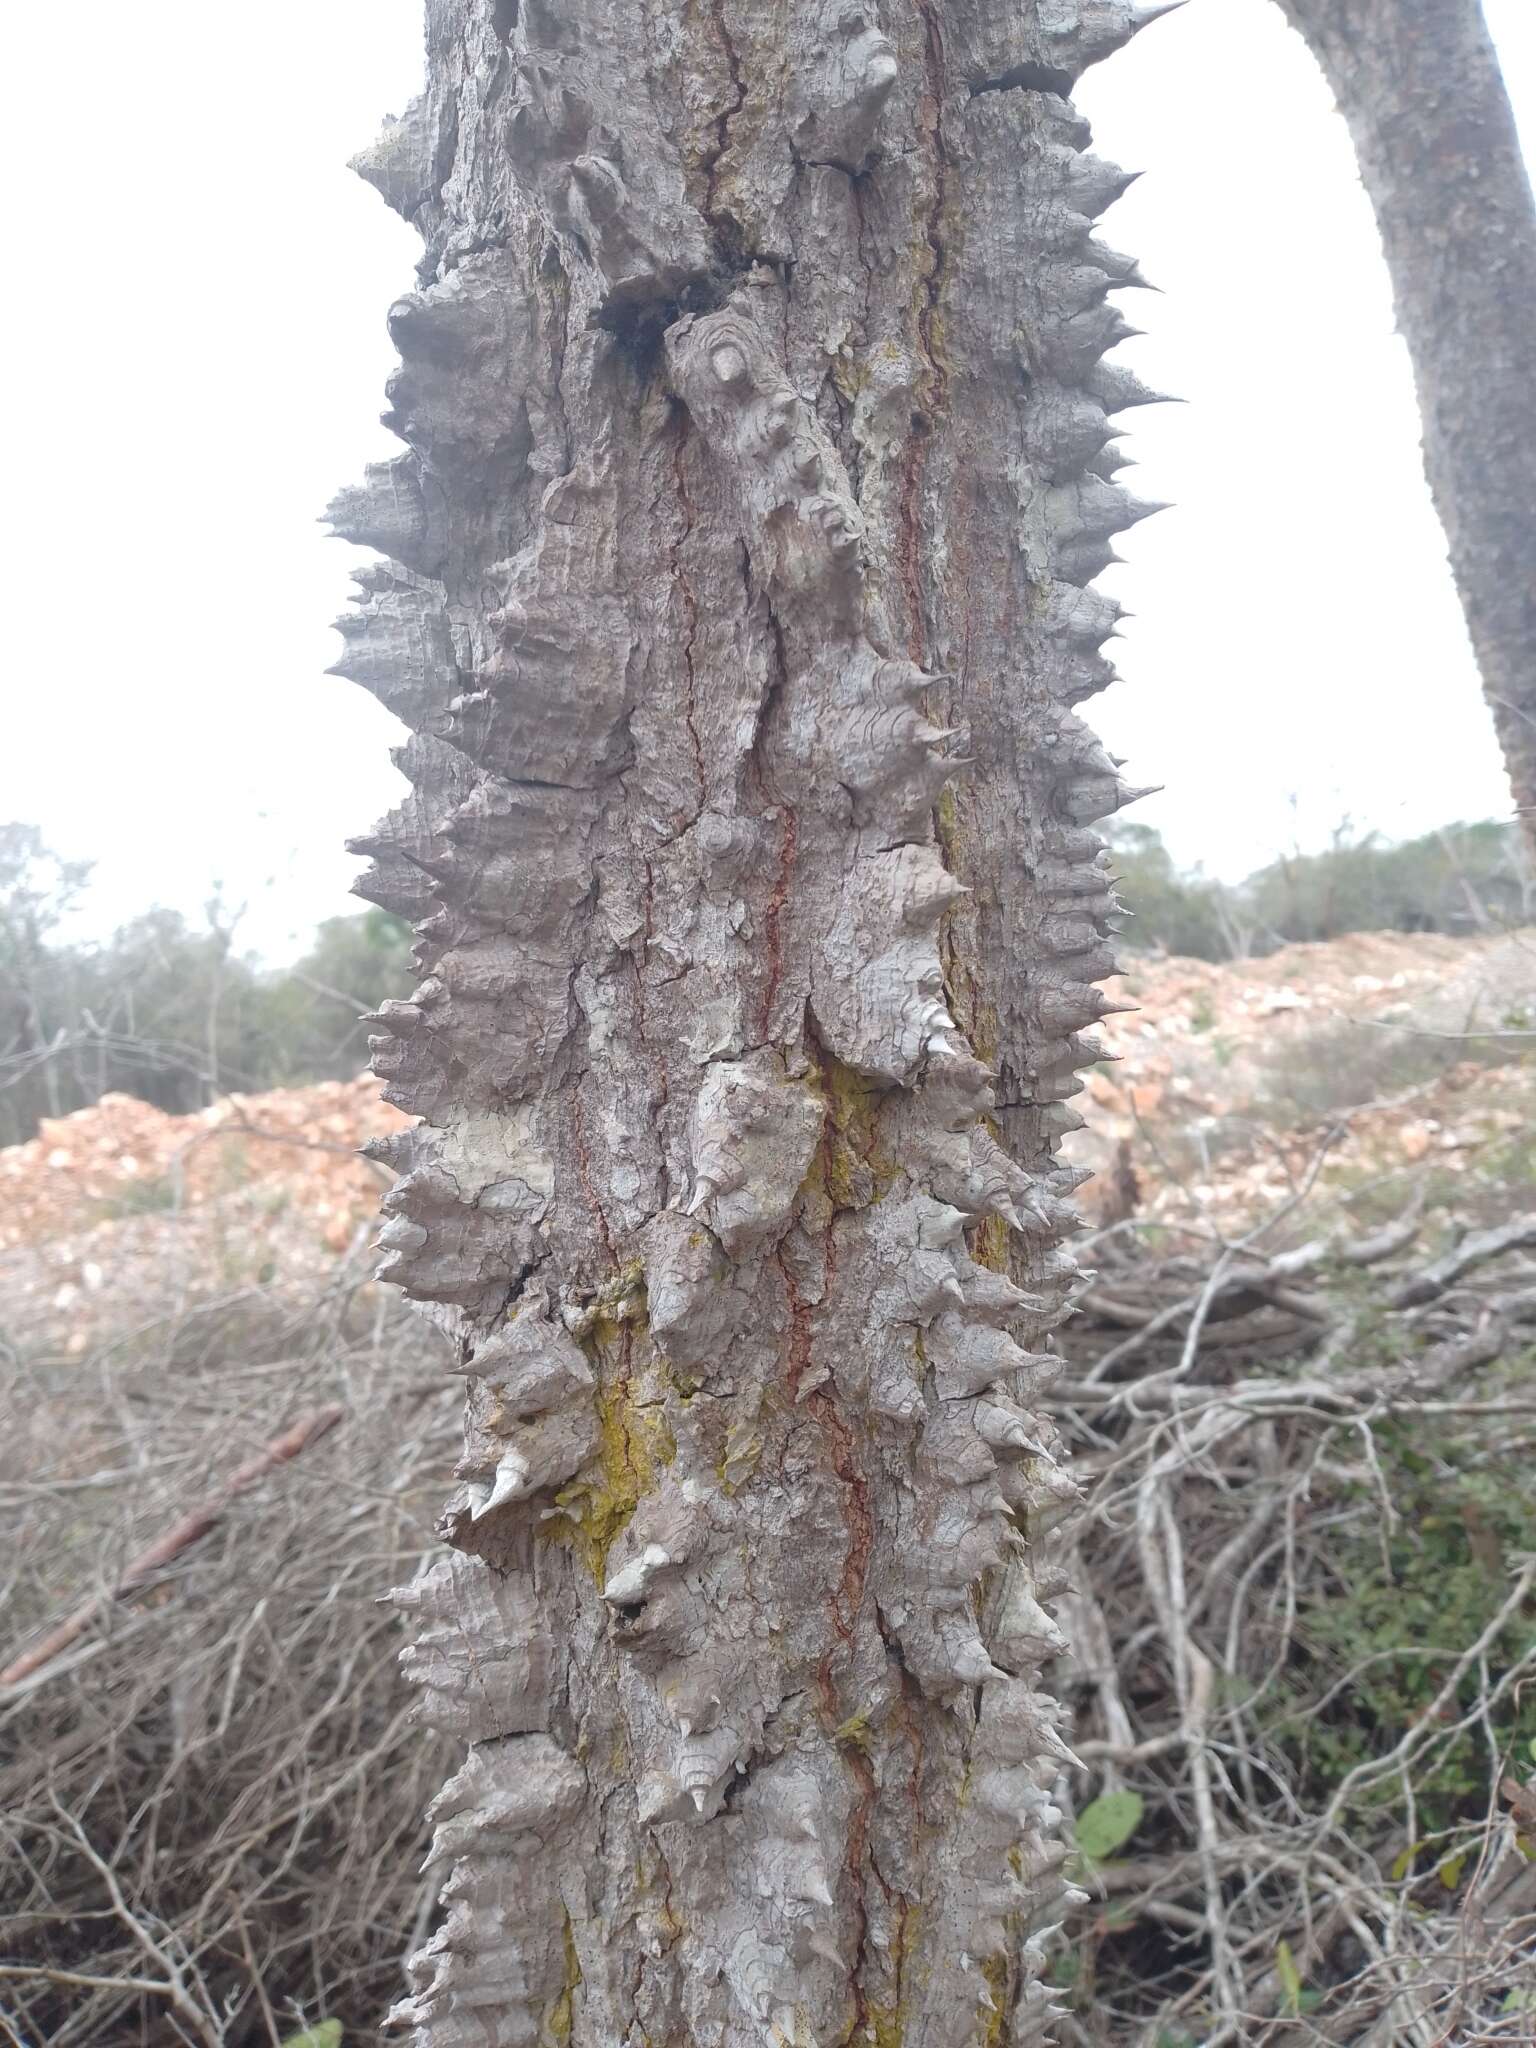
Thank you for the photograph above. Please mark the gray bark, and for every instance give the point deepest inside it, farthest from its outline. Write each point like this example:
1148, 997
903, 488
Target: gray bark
737, 599
1418, 84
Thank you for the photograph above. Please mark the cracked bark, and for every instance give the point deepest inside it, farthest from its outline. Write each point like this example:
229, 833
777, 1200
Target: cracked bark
749, 1008
1418, 84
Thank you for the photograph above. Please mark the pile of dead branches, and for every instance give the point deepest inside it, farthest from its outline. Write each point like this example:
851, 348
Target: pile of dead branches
1240, 1409
212, 1800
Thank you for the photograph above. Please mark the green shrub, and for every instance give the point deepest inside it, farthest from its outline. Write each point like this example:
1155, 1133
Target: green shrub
1459, 879
1404, 1603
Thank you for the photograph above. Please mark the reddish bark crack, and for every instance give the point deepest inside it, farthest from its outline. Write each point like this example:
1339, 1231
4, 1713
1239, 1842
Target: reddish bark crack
726, 115
773, 939
690, 602
909, 551
584, 1170
661, 1078
853, 1864
561, 351
841, 1446
856, 1510
789, 824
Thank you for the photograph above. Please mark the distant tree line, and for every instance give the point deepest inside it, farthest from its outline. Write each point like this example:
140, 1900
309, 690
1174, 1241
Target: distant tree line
165, 1009
1461, 879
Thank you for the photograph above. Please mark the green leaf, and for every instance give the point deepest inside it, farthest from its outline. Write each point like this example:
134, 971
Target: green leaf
1402, 1863
1289, 1975
1451, 1869
326, 2035
1107, 1822
1519, 2001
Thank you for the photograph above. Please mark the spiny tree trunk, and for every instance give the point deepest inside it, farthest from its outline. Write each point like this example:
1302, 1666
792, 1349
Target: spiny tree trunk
1418, 84
757, 453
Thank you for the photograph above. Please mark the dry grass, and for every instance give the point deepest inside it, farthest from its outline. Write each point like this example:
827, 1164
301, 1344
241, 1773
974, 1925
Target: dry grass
213, 1799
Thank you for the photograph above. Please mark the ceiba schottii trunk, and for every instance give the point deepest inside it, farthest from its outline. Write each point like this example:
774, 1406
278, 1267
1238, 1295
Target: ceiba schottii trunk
1419, 86
738, 599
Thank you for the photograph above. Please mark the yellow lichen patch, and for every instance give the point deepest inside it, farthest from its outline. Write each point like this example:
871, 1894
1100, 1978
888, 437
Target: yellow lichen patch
850, 374
984, 1032
851, 1164
995, 1970
947, 817
619, 1301
882, 2027
855, 1730
561, 2013
633, 1442
738, 1461
976, 1016
884, 2024
991, 1245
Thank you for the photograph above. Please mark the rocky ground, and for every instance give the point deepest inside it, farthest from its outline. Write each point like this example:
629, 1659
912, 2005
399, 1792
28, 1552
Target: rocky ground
114, 1212
1347, 1061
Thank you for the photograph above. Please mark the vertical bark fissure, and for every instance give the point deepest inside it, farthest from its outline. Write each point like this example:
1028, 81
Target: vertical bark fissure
727, 114
752, 1249
690, 606
1419, 86
931, 393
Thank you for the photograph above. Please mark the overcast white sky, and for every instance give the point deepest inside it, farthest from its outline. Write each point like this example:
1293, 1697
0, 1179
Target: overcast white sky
196, 357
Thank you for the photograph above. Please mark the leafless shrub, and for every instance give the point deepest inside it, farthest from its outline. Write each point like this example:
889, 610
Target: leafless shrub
1245, 1416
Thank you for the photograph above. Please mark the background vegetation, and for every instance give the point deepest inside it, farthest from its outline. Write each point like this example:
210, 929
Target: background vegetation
1461, 879
164, 1009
